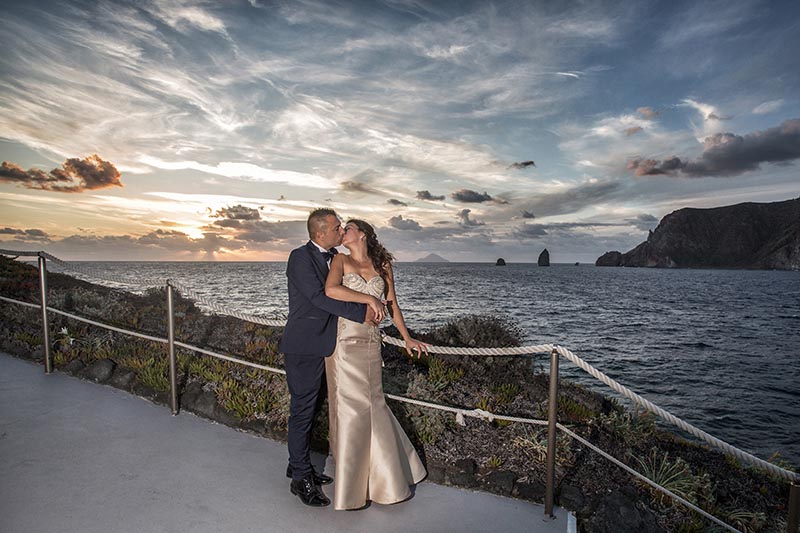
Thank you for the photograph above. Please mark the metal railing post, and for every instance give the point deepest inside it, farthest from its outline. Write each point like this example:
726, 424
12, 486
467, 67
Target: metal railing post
173, 370
48, 362
552, 417
794, 508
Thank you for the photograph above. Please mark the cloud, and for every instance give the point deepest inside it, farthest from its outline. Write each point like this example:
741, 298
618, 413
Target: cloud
426, 195
633, 130
238, 212
357, 186
569, 199
245, 171
27, 234
465, 221
75, 175
400, 223
727, 154
468, 196
644, 222
394, 201
768, 107
527, 231
648, 113
522, 164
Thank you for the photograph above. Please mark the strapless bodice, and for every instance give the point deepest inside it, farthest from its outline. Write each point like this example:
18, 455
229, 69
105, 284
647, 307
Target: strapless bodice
373, 287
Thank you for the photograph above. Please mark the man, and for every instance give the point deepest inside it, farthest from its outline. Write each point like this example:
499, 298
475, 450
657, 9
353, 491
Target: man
309, 337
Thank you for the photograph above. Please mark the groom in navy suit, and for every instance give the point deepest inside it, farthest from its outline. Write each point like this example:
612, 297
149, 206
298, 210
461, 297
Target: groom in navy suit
309, 337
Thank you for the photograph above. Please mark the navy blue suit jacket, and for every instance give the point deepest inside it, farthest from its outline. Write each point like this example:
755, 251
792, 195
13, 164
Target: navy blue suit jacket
311, 326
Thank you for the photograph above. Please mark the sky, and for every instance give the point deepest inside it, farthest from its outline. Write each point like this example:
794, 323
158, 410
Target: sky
178, 130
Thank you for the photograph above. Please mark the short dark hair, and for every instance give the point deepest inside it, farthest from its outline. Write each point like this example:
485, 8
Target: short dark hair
316, 220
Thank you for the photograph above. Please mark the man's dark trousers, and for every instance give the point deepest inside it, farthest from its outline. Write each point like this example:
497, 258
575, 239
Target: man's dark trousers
309, 337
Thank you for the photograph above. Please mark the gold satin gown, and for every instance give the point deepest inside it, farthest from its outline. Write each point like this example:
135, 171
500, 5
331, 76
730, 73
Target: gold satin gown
375, 461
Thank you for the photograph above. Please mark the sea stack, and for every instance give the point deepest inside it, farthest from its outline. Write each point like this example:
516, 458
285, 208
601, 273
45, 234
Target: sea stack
500, 262
544, 258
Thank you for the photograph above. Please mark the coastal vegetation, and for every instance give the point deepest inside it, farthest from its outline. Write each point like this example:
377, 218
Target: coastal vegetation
494, 455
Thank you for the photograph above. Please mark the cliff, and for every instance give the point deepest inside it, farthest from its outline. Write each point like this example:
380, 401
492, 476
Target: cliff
748, 235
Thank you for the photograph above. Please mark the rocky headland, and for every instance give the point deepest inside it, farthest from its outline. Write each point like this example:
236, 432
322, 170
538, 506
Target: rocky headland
496, 456
748, 235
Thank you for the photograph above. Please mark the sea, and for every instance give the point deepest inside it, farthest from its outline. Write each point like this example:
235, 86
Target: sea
718, 348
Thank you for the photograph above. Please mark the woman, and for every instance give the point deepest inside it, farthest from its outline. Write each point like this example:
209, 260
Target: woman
374, 459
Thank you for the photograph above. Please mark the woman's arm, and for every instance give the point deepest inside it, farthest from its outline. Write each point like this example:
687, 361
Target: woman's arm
334, 289
397, 317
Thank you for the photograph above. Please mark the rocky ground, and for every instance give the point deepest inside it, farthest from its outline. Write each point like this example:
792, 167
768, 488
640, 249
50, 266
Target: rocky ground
499, 457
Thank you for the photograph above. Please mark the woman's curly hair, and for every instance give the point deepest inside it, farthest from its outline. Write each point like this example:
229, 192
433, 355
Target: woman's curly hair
380, 256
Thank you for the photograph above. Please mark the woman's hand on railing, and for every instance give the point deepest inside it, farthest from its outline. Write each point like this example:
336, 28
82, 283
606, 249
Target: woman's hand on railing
413, 345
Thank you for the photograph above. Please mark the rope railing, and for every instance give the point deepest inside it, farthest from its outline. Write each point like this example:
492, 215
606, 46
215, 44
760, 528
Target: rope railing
460, 413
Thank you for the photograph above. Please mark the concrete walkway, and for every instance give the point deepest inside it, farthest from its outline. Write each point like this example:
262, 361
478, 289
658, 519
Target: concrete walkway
81, 457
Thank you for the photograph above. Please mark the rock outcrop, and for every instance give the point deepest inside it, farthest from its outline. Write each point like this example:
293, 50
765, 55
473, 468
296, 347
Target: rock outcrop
749, 235
609, 259
544, 258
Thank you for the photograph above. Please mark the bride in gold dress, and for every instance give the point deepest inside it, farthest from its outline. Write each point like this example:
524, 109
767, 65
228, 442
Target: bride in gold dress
375, 461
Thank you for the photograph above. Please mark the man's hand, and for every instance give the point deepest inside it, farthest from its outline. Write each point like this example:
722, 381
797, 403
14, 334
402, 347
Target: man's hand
371, 319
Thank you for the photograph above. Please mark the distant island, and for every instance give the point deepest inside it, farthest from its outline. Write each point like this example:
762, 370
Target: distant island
432, 258
748, 235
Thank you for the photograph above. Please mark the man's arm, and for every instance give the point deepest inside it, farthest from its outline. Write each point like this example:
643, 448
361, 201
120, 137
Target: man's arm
301, 273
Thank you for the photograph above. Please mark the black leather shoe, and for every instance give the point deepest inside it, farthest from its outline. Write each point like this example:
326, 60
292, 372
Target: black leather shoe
319, 479
309, 492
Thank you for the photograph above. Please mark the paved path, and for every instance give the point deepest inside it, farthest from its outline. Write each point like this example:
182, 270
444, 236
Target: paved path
81, 457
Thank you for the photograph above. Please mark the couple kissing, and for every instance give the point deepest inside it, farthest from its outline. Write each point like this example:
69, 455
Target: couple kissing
336, 302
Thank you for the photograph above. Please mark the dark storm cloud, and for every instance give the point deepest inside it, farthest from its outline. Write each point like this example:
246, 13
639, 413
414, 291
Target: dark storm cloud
465, 221
75, 175
522, 164
426, 195
648, 112
396, 202
468, 196
401, 223
727, 154
238, 212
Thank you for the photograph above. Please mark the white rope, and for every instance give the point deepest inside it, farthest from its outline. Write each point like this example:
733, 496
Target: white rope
672, 419
224, 310
18, 253
97, 274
